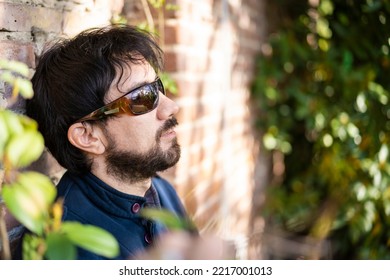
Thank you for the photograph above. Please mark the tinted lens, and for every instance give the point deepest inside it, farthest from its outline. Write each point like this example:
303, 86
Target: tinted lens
139, 101
160, 86
144, 99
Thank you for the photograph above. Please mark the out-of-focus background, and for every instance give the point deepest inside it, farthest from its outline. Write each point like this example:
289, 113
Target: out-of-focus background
284, 119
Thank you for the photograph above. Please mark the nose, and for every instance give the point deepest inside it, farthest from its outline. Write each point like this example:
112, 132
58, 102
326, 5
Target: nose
166, 107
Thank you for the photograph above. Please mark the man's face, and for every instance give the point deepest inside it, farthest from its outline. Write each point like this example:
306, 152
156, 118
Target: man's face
139, 146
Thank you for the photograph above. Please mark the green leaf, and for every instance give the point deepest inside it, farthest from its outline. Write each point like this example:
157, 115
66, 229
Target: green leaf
29, 199
169, 83
33, 247
28, 123
172, 7
92, 238
19, 202
7, 77
24, 148
13, 121
15, 66
59, 247
167, 218
157, 3
25, 87
40, 186
3, 132
383, 154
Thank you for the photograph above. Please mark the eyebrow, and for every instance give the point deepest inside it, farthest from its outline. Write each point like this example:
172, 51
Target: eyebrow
134, 87
140, 84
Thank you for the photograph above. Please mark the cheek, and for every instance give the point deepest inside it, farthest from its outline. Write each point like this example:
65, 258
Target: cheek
135, 136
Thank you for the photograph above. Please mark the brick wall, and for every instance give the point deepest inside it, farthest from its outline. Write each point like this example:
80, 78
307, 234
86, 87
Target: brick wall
210, 51
210, 48
25, 27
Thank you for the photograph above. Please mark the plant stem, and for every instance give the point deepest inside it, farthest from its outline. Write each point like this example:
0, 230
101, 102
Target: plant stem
4, 241
148, 14
161, 23
5, 247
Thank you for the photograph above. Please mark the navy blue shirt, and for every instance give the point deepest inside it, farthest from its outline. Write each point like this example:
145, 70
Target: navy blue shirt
89, 200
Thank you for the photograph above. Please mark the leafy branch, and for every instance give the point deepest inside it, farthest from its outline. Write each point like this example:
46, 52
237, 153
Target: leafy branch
31, 196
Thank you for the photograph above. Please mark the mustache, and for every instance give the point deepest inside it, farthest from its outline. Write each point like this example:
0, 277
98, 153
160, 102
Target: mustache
170, 123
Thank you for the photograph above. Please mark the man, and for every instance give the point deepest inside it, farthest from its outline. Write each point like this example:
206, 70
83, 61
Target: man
103, 112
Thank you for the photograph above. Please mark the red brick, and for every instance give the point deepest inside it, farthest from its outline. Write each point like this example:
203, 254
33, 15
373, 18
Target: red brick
23, 52
170, 61
171, 37
79, 19
22, 17
190, 61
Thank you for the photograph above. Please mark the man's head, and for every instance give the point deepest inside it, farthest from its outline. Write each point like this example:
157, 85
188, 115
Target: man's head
98, 100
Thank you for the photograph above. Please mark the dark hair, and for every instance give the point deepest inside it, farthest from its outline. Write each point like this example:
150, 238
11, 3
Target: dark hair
73, 77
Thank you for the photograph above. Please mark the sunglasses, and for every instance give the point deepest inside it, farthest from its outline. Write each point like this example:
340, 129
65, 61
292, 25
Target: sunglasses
136, 102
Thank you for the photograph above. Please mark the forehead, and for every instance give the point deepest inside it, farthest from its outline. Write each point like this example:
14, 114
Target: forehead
131, 76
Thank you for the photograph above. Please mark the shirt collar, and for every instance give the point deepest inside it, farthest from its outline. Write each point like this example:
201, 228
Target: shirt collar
113, 201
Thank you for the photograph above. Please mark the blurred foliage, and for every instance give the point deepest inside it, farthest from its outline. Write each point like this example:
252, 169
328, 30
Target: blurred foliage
168, 219
30, 196
322, 93
15, 73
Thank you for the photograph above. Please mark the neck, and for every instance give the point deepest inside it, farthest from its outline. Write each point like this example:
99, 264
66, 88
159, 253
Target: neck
137, 188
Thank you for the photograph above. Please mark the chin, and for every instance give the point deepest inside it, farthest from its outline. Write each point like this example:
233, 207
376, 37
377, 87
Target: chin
166, 144
173, 153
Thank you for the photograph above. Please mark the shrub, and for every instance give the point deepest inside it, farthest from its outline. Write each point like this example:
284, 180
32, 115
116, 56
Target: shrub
322, 89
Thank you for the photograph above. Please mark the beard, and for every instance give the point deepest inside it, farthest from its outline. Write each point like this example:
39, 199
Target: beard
134, 167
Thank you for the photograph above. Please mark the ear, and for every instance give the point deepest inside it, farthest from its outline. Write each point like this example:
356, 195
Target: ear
87, 138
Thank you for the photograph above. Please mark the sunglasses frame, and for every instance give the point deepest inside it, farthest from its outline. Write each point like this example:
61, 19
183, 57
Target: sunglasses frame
123, 103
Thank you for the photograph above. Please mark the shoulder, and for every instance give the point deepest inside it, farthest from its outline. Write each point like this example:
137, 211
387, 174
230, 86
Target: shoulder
64, 184
75, 202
